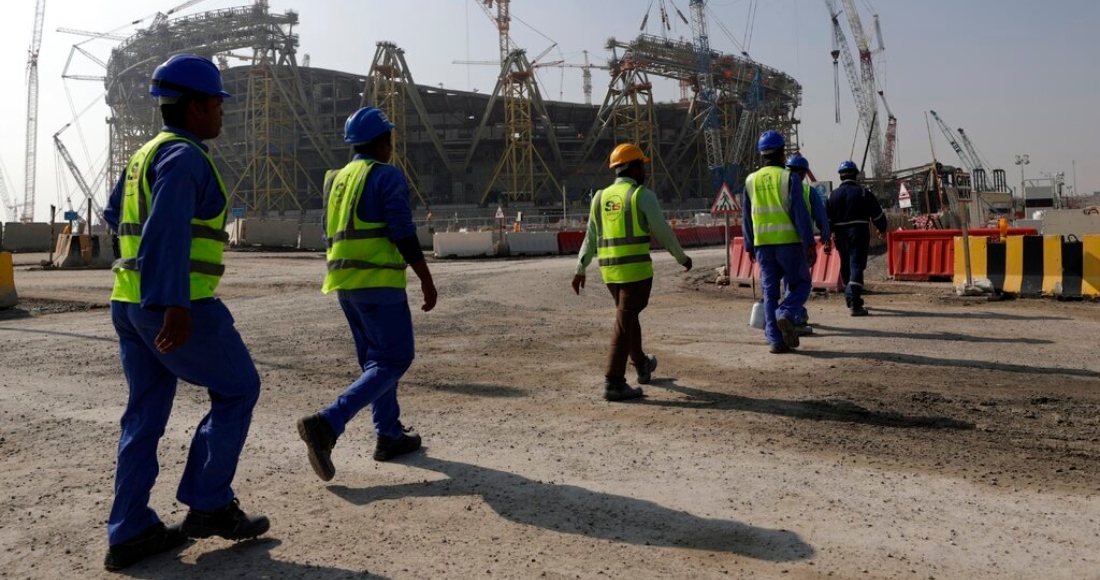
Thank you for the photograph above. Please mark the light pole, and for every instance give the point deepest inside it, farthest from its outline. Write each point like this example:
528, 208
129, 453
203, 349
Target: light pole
1023, 160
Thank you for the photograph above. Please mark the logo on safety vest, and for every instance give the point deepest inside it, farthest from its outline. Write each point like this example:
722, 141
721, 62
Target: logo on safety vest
613, 207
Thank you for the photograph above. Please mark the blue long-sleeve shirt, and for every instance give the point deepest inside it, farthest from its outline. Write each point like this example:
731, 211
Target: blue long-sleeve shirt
183, 187
851, 205
385, 199
800, 216
819, 215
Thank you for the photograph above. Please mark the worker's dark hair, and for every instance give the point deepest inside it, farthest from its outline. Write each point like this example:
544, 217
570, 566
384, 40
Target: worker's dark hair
626, 168
175, 114
371, 147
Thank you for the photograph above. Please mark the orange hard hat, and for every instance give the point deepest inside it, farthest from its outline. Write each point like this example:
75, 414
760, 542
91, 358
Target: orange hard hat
625, 153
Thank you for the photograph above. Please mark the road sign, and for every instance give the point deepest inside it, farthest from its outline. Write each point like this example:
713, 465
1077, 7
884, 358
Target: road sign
724, 202
904, 200
71, 216
500, 212
237, 212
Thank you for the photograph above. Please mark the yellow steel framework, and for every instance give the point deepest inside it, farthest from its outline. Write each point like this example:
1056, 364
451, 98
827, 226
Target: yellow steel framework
387, 89
268, 182
521, 171
634, 121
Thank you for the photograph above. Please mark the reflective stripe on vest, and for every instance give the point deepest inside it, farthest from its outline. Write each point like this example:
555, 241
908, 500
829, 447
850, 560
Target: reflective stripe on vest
359, 255
622, 246
769, 191
208, 237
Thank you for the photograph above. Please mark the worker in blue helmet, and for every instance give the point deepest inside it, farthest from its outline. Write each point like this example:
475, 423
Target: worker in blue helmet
371, 238
779, 237
852, 208
816, 204
169, 211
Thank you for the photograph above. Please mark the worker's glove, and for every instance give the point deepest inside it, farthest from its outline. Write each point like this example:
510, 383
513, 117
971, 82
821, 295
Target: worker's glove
827, 245
687, 265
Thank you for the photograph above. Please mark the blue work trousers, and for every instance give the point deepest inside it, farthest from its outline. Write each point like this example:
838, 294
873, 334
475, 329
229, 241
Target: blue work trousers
778, 263
385, 347
853, 242
214, 357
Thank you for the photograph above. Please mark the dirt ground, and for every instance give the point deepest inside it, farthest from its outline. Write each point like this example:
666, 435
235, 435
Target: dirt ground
938, 438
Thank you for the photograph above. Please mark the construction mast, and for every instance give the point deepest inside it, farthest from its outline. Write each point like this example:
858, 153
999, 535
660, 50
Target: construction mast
712, 137
32, 111
521, 171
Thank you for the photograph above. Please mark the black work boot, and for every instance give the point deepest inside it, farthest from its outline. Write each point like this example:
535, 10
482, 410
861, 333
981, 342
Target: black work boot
619, 390
787, 327
645, 371
151, 541
228, 521
320, 440
778, 348
389, 447
859, 311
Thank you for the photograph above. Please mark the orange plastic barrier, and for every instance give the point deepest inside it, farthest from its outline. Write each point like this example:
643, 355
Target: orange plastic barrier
922, 255
825, 272
570, 242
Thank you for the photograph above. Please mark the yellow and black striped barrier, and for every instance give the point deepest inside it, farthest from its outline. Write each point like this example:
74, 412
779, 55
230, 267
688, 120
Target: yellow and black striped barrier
8, 297
1065, 266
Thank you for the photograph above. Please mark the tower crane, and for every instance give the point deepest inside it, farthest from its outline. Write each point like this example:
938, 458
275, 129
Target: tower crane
32, 111
586, 69
712, 137
862, 80
12, 209
77, 175
891, 135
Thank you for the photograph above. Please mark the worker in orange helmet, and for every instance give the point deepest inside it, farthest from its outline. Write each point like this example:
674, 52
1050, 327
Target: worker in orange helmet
621, 219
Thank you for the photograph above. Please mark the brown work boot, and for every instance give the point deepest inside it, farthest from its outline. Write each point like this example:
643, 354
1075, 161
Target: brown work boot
619, 390
389, 447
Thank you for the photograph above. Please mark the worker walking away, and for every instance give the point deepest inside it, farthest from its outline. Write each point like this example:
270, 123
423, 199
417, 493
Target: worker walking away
371, 238
778, 236
169, 210
621, 219
851, 209
816, 204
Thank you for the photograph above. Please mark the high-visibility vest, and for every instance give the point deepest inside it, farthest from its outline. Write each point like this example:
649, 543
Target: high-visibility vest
359, 254
208, 237
623, 244
769, 193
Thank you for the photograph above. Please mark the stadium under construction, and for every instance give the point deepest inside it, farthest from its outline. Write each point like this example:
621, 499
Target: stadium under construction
283, 129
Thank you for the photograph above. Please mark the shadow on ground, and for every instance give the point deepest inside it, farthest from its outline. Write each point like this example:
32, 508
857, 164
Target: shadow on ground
571, 509
945, 336
251, 559
815, 409
913, 359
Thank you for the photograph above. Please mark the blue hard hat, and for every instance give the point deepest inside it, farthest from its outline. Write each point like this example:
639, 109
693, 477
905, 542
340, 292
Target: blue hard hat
798, 162
366, 124
770, 142
187, 74
847, 167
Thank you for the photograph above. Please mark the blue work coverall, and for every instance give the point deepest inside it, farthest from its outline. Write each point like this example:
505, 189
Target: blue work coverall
820, 219
851, 207
379, 318
782, 262
183, 187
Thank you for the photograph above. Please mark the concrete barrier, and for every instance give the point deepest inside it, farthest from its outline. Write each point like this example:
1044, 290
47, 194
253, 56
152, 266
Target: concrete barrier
1064, 222
424, 236
1034, 265
261, 232
8, 296
311, 237
34, 237
462, 244
532, 243
83, 251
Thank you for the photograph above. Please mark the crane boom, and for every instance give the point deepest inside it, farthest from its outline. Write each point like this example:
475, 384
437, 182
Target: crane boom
79, 177
969, 163
9, 207
862, 80
32, 112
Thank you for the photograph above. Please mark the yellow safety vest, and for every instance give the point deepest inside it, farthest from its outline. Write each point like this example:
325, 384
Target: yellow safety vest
208, 237
359, 254
623, 244
769, 193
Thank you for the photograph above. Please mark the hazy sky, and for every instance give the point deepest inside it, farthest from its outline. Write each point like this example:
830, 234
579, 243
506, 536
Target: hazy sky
1018, 75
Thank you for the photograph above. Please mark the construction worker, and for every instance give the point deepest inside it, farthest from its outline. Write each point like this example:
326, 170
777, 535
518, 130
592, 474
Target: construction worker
851, 208
621, 219
779, 237
371, 237
169, 209
816, 204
